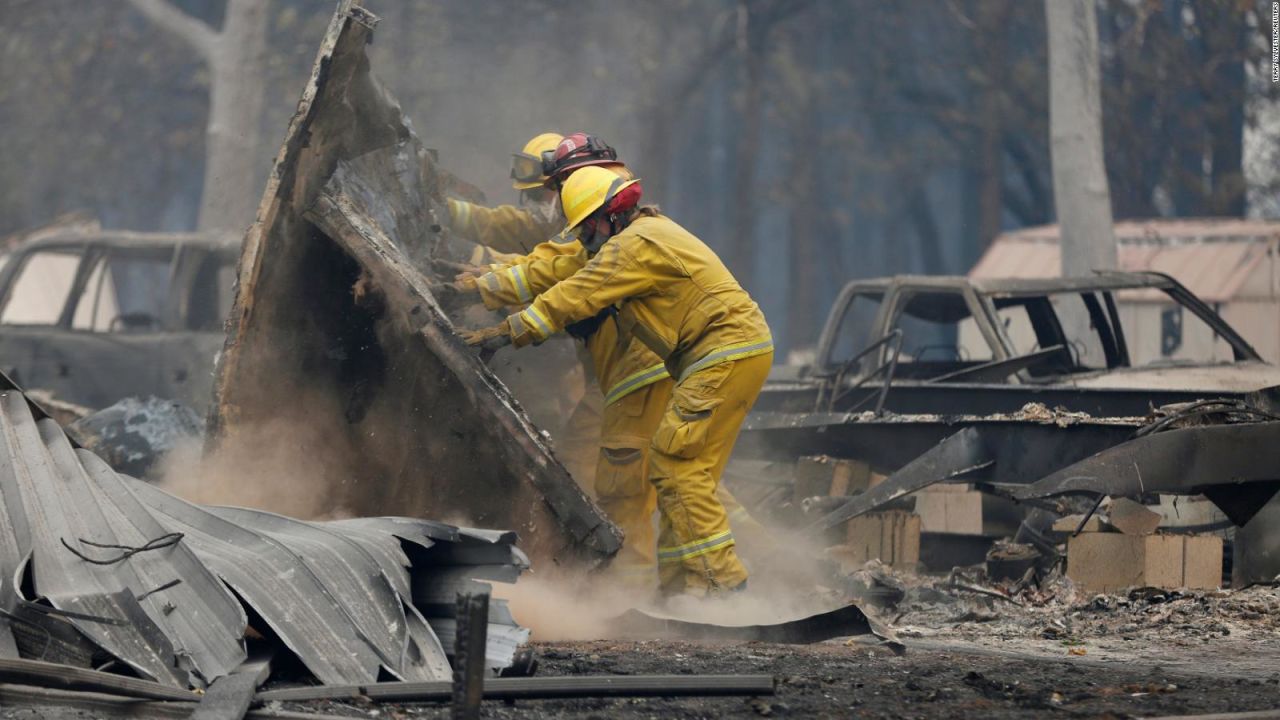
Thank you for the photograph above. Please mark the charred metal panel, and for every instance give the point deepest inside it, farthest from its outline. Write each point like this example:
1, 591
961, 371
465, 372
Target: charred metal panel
335, 327
958, 454
141, 573
1236, 466
1026, 447
204, 620
845, 621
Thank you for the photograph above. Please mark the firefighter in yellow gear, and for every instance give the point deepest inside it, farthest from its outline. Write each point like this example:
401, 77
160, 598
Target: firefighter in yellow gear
514, 233
637, 388
674, 294
504, 233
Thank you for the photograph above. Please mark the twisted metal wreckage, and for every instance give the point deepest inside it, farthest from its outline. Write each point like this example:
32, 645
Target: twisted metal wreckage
99, 570
1181, 428
98, 567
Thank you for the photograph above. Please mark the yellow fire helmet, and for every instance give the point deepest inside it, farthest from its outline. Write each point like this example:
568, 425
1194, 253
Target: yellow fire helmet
526, 165
587, 190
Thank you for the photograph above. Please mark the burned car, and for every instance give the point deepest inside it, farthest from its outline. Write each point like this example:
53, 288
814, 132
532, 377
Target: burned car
1010, 381
92, 318
951, 345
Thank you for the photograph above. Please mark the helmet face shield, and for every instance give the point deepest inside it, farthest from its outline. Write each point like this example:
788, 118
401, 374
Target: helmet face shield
526, 168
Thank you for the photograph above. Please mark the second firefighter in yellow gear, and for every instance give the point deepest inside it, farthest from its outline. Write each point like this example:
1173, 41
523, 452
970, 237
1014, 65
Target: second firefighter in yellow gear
508, 228
678, 298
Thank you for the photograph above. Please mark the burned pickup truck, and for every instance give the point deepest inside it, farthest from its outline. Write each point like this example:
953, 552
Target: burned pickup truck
1012, 381
94, 317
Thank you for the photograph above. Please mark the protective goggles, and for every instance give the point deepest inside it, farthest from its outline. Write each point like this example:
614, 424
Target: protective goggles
526, 168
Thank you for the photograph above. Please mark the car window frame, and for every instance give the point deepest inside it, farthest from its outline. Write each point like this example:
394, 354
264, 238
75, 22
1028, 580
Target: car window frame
824, 365
978, 310
101, 252
21, 258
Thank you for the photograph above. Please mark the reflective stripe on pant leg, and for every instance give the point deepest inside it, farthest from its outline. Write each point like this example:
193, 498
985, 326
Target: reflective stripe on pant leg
697, 555
697, 548
692, 483
671, 576
681, 461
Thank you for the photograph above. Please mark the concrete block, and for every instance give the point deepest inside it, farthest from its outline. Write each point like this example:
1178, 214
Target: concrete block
966, 512
892, 536
1106, 562
1132, 518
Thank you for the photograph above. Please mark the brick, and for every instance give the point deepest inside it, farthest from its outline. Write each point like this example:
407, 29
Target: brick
1105, 562
966, 512
892, 536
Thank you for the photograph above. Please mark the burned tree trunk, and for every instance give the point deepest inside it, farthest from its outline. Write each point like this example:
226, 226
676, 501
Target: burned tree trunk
234, 57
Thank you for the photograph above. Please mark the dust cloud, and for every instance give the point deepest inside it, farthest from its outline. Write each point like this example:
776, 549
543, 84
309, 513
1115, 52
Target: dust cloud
284, 465
784, 585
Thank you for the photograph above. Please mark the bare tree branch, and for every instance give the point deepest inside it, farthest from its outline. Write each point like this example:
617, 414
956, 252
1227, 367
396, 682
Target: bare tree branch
194, 32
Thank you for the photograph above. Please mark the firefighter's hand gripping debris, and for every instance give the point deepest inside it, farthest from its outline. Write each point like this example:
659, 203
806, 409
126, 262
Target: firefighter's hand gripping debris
553, 452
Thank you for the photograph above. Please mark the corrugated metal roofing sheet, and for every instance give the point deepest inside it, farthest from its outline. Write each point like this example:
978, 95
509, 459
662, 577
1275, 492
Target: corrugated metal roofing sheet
46, 493
338, 594
1214, 259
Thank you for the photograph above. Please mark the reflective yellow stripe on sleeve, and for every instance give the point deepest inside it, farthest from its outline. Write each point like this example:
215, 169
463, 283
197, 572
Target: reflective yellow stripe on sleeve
519, 282
537, 324
490, 282
461, 213
634, 382
736, 351
696, 548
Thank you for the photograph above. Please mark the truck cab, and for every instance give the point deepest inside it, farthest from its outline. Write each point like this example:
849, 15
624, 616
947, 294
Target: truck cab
948, 345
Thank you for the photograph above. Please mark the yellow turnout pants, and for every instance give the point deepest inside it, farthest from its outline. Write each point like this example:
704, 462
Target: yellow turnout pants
579, 438
690, 448
622, 488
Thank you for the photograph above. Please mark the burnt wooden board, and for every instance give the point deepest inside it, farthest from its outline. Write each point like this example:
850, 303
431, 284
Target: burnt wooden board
334, 331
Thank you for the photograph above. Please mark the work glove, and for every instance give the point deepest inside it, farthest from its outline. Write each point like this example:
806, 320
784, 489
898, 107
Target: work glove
448, 292
490, 338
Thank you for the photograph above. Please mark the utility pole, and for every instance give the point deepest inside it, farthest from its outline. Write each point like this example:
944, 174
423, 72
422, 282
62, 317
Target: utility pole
1080, 191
